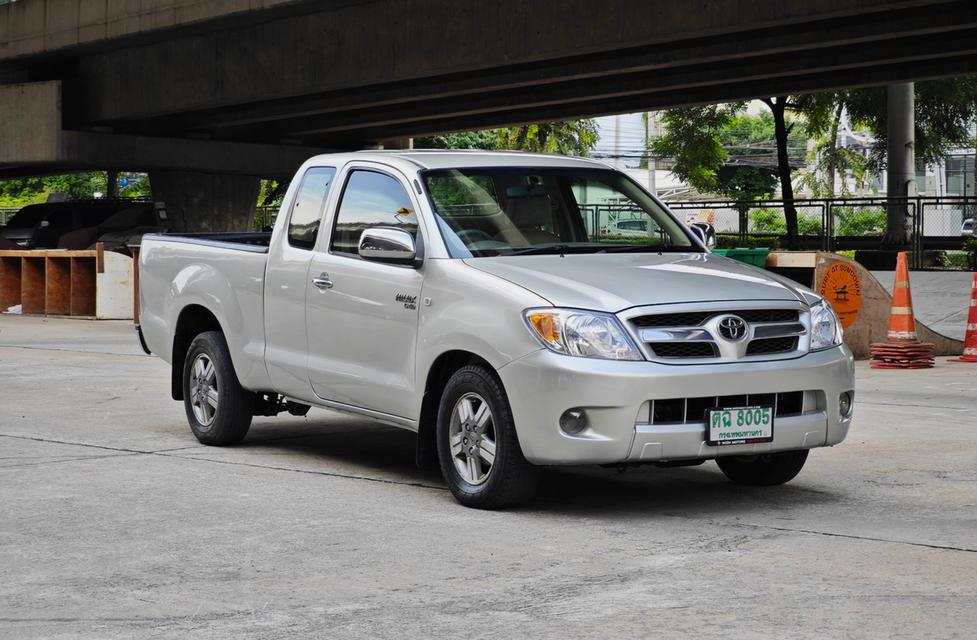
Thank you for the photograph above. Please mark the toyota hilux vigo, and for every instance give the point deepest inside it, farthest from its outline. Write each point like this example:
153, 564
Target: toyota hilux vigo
488, 302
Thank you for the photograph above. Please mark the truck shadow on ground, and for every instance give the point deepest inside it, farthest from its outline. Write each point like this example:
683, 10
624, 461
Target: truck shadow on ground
364, 449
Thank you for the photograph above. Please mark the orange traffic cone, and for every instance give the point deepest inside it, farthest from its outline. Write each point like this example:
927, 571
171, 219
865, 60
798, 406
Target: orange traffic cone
970, 339
902, 349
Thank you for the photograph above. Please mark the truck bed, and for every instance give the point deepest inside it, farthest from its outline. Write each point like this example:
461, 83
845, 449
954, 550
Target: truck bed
253, 241
222, 272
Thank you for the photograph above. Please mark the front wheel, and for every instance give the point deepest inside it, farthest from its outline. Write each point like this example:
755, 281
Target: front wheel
218, 408
477, 445
763, 470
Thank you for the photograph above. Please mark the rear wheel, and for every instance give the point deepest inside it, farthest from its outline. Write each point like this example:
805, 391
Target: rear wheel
477, 445
218, 408
763, 470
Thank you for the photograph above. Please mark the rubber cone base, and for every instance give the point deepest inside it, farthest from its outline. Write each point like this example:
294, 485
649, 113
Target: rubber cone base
902, 355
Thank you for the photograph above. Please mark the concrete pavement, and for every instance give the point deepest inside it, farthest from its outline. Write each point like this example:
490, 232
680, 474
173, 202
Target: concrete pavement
941, 299
115, 523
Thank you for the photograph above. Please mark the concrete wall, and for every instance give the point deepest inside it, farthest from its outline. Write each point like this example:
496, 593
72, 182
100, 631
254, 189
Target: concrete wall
206, 202
30, 122
33, 26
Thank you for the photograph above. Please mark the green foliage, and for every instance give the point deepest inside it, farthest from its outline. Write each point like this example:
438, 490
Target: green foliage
846, 253
475, 192
745, 129
744, 183
572, 137
733, 241
271, 193
487, 139
701, 141
945, 111
765, 220
860, 221
692, 140
970, 246
138, 186
954, 260
23, 191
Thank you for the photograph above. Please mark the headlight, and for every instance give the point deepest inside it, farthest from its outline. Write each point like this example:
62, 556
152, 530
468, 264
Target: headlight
826, 330
581, 333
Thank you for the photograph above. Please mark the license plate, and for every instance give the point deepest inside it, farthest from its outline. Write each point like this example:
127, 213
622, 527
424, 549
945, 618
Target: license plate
739, 425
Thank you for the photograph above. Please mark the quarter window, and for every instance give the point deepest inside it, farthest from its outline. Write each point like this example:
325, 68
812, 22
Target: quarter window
303, 225
370, 200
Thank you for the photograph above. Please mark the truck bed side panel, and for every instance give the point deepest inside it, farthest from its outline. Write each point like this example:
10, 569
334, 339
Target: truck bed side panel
226, 281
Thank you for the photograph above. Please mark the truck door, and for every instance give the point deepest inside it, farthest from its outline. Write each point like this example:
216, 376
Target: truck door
286, 278
362, 315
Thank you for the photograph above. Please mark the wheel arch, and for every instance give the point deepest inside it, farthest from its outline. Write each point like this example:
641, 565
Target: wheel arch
193, 320
441, 370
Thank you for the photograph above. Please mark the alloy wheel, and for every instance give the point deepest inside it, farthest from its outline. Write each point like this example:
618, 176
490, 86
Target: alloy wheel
471, 434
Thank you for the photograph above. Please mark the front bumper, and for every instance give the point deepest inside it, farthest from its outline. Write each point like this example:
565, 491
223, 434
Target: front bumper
616, 396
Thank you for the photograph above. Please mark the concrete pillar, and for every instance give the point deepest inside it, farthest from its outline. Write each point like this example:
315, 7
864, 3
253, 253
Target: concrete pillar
112, 184
900, 159
198, 202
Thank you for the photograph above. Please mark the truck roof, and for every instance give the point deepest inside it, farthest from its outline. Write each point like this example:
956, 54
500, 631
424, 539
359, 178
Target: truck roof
463, 158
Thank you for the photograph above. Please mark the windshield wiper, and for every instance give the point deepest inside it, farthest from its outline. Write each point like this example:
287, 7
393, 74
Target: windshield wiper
545, 249
650, 248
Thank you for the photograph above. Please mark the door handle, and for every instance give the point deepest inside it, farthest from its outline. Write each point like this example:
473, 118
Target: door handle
322, 282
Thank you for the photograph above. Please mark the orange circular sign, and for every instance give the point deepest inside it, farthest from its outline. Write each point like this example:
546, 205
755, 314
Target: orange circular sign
841, 288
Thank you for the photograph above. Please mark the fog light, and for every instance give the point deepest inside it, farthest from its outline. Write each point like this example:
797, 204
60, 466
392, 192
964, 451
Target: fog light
844, 404
574, 421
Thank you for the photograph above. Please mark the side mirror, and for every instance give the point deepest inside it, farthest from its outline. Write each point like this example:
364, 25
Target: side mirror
383, 244
705, 232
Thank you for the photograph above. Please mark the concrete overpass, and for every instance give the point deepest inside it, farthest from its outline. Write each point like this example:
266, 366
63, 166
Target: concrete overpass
249, 87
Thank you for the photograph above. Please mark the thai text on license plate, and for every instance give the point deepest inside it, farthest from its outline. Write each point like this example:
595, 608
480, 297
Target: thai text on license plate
739, 425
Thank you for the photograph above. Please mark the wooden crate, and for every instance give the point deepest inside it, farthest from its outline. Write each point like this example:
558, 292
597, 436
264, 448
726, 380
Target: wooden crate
87, 284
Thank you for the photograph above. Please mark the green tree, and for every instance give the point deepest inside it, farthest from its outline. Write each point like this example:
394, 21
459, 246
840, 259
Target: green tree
745, 184
692, 140
571, 137
699, 140
487, 139
76, 185
945, 111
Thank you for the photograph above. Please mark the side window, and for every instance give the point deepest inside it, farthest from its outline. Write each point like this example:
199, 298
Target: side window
303, 225
370, 200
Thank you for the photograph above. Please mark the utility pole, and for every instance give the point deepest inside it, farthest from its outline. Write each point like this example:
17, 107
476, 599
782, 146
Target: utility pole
900, 161
652, 161
617, 141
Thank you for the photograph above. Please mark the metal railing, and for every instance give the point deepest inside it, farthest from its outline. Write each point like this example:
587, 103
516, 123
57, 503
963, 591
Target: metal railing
832, 224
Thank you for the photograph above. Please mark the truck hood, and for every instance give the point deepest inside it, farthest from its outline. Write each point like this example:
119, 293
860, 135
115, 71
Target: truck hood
613, 282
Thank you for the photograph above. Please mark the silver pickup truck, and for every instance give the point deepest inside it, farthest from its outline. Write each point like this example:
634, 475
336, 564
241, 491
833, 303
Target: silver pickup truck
491, 303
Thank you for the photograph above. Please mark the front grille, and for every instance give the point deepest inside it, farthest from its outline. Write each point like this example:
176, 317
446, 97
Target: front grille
696, 318
683, 349
693, 319
693, 410
695, 334
771, 345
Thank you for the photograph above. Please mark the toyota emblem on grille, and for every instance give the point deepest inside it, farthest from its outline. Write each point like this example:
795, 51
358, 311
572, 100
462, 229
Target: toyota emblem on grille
733, 328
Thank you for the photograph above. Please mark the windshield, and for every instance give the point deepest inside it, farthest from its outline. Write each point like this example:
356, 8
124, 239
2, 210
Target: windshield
525, 211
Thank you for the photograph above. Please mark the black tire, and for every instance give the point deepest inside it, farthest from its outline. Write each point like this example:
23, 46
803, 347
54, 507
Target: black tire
763, 470
231, 418
510, 479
